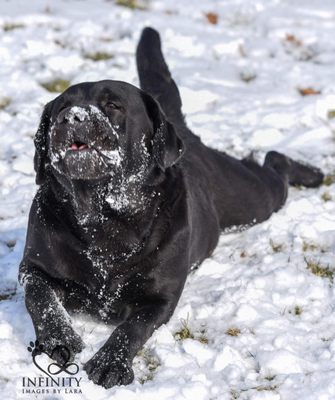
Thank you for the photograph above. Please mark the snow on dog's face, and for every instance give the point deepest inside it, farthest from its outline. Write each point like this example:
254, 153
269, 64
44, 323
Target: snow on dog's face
106, 129
83, 142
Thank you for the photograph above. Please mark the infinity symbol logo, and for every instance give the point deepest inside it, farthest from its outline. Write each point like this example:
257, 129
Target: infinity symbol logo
65, 367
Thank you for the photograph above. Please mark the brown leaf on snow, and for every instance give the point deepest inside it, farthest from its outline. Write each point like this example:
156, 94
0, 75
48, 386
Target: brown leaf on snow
308, 91
293, 40
212, 18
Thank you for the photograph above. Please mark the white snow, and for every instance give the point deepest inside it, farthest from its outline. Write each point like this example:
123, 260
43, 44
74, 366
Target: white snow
77, 112
240, 81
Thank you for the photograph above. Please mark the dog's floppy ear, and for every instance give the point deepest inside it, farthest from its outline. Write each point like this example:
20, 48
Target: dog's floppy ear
40, 142
167, 147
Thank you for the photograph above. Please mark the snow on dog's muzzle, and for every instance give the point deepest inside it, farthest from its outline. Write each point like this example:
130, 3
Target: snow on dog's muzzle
84, 144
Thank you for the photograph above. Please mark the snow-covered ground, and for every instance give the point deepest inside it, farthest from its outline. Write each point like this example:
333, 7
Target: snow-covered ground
259, 315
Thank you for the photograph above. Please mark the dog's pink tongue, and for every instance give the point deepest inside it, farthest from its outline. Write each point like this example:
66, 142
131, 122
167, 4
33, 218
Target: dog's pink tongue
74, 146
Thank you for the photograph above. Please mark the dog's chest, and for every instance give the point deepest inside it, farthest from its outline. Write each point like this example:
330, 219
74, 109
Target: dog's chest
103, 254
110, 244
108, 281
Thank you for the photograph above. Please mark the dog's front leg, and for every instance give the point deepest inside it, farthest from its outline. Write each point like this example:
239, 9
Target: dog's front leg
51, 322
112, 364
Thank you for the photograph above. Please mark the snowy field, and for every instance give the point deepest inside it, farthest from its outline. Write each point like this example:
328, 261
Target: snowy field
257, 319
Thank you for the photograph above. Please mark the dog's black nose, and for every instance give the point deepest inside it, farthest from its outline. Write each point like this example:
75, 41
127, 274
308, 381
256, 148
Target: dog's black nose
72, 115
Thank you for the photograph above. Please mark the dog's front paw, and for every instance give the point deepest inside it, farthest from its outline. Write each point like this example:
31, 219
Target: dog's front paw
63, 345
107, 370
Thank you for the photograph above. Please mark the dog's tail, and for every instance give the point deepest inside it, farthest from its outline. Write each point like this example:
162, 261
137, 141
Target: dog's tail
155, 77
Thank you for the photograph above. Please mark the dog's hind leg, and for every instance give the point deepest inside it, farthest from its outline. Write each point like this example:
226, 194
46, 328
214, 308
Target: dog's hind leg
155, 77
277, 173
296, 172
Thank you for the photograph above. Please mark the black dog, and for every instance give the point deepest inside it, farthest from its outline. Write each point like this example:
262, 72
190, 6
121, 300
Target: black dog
129, 200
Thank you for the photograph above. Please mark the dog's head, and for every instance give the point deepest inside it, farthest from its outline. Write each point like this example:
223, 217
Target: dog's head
106, 129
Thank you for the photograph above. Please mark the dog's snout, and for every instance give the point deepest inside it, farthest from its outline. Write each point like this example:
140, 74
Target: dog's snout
72, 115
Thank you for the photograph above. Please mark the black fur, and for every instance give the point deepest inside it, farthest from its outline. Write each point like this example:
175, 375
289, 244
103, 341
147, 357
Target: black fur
116, 226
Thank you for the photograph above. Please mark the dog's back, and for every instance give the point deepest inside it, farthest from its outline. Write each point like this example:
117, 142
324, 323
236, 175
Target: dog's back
249, 191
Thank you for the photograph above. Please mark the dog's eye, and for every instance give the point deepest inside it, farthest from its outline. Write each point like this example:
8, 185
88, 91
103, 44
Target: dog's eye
113, 106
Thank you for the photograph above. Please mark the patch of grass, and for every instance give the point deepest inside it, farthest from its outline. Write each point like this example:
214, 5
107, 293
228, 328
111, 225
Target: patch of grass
248, 76
5, 102
297, 310
11, 243
331, 114
202, 338
233, 331
60, 43
319, 270
266, 388
7, 27
309, 246
329, 180
326, 196
261, 388
132, 4
56, 85
7, 295
270, 377
152, 363
184, 332
98, 56
276, 247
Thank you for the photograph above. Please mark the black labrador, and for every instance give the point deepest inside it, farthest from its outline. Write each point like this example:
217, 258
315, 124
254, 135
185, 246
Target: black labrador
129, 200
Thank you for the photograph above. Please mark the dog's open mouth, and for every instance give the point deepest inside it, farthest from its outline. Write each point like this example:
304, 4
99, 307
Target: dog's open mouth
81, 159
79, 146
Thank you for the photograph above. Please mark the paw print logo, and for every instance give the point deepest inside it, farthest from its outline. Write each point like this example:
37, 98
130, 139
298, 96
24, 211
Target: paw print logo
36, 348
